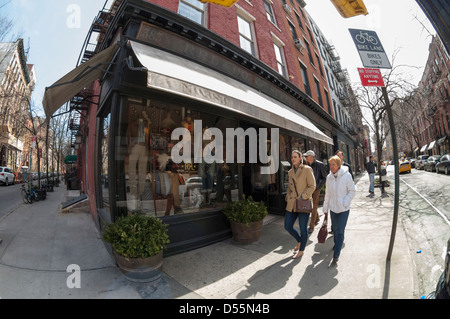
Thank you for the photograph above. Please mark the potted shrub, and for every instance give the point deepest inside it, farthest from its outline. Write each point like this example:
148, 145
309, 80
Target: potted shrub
138, 243
246, 219
322, 194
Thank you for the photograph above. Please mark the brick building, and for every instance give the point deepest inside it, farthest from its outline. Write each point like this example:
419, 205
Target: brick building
161, 67
433, 117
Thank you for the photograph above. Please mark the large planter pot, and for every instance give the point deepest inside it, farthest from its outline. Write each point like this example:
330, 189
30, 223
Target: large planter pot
140, 269
244, 234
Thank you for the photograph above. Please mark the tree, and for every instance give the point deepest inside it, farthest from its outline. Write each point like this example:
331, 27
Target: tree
398, 84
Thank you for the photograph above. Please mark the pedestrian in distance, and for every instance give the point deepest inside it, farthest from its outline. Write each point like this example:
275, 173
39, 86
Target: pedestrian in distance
344, 164
301, 182
383, 176
339, 193
321, 176
370, 168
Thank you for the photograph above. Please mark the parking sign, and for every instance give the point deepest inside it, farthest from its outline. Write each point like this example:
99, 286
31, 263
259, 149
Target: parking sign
370, 49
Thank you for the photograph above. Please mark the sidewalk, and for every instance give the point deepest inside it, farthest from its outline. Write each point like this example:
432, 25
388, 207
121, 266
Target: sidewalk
39, 243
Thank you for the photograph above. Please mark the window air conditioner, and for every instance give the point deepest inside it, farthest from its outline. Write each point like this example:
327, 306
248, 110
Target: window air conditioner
299, 44
287, 9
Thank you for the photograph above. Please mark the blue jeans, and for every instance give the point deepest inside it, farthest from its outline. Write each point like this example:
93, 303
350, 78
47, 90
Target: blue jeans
372, 184
302, 236
339, 222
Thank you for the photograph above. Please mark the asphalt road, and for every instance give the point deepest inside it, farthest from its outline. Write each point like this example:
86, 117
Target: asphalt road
424, 207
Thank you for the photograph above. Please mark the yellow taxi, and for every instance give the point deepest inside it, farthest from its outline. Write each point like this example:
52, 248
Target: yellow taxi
404, 166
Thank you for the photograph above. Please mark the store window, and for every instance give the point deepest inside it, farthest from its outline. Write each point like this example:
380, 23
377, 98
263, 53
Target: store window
105, 125
285, 160
155, 184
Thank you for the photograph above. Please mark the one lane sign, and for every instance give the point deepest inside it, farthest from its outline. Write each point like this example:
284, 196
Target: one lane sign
371, 77
370, 49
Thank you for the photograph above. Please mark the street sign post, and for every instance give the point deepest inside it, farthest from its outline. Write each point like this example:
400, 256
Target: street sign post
370, 49
373, 56
371, 77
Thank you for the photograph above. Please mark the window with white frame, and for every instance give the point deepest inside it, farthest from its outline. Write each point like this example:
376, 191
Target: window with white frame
269, 11
192, 9
246, 38
281, 64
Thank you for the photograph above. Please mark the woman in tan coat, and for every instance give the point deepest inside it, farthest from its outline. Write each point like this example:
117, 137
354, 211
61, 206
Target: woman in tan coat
306, 184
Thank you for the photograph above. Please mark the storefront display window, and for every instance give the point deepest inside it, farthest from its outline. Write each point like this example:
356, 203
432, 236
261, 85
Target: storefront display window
155, 184
285, 151
104, 154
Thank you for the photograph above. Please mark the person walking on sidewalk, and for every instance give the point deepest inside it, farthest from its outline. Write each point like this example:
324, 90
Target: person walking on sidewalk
339, 193
321, 176
301, 181
383, 176
370, 168
344, 164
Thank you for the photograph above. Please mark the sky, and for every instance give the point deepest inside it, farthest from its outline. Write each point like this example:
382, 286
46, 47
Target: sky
55, 30
399, 25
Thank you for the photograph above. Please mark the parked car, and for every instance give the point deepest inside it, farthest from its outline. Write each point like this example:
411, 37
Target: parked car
412, 161
430, 164
443, 165
194, 182
421, 159
6, 176
404, 167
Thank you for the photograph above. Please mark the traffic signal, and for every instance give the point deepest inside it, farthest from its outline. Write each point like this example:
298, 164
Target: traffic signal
350, 8
225, 3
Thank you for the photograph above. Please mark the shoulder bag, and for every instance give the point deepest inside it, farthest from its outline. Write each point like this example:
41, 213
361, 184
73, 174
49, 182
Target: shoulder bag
302, 205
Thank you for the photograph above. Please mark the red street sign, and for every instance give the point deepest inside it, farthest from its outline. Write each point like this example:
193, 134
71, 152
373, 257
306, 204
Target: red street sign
371, 77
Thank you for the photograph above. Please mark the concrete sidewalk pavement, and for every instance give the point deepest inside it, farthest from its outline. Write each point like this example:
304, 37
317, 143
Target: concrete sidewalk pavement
265, 269
40, 243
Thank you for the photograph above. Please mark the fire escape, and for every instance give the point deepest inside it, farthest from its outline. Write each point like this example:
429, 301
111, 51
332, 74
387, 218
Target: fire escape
80, 102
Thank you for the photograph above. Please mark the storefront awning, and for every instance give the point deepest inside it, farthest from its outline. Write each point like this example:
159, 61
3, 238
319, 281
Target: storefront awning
423, 148
171, 73
430, 147
76, 80
442, 140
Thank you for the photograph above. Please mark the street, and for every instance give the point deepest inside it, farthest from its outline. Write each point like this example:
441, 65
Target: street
11, 199
424, 209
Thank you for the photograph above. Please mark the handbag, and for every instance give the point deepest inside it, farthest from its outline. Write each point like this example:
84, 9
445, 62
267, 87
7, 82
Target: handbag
302, 205
323, 232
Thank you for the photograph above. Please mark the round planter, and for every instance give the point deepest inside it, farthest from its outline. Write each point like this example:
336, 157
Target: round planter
244, 234
140, 269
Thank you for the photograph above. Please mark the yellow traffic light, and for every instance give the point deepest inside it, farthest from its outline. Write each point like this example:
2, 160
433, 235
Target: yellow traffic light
350, 8
225, 3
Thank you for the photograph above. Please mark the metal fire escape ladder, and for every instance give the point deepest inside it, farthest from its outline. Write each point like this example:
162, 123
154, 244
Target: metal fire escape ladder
79, 103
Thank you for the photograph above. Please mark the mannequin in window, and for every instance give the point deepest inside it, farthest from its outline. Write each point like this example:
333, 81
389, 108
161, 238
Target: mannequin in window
138, 141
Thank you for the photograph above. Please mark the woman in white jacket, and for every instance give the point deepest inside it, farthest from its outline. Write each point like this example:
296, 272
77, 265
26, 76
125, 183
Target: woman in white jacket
339, 193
